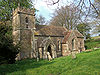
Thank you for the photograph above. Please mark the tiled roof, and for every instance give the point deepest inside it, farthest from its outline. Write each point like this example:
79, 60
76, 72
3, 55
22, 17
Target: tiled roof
52, 30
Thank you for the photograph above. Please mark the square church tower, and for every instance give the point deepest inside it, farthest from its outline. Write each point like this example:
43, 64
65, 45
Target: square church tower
23, 22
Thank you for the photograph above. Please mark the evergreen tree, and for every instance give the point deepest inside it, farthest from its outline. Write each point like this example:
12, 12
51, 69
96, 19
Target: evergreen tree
8, 50
84, 29
6, 7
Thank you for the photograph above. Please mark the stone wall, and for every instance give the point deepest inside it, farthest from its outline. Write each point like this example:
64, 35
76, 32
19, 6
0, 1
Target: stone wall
65, 50
22, 31
73, 44
44, 42
81, 44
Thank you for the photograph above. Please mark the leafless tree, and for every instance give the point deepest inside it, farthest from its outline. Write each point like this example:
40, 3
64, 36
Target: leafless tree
96, 14
68, 16
90, 8
41, 20
83, 4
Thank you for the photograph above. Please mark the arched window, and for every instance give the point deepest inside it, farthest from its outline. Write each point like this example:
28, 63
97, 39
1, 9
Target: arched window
26, 20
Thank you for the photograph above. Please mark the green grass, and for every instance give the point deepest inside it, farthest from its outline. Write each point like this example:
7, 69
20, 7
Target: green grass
92, 43
86, 63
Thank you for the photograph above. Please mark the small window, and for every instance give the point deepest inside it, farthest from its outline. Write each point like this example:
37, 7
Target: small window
80, 44
59, 45
26, 20
26, 25
72, 44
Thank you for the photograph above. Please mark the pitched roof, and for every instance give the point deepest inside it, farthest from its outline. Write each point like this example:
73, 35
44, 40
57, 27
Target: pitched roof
52, 30
68, 33
77, 33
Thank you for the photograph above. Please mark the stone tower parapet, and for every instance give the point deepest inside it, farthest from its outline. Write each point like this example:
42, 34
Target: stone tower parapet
23, 10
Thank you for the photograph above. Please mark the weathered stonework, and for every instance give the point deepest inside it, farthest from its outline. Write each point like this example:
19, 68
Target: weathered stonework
22, 32
36, 43
73, 43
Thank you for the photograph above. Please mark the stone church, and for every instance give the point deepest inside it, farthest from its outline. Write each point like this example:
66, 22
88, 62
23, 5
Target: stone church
36, 40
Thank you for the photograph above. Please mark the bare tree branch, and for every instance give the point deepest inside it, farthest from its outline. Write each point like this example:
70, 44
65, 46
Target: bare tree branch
93, 6
55, 2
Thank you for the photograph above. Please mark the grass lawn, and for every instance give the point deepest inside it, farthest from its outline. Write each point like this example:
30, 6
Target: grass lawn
86, 63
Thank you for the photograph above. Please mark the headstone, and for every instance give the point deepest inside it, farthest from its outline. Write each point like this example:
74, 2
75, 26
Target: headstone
73, 55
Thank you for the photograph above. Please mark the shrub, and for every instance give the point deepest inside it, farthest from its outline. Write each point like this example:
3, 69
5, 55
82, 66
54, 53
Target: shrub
92, 43
8, 50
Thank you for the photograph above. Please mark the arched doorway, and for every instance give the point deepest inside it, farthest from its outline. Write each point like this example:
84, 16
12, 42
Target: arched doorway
49, 50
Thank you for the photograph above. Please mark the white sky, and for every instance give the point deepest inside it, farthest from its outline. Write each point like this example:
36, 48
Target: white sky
46, 10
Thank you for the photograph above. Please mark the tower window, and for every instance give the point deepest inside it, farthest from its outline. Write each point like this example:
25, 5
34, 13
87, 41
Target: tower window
26, 20
26, 25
